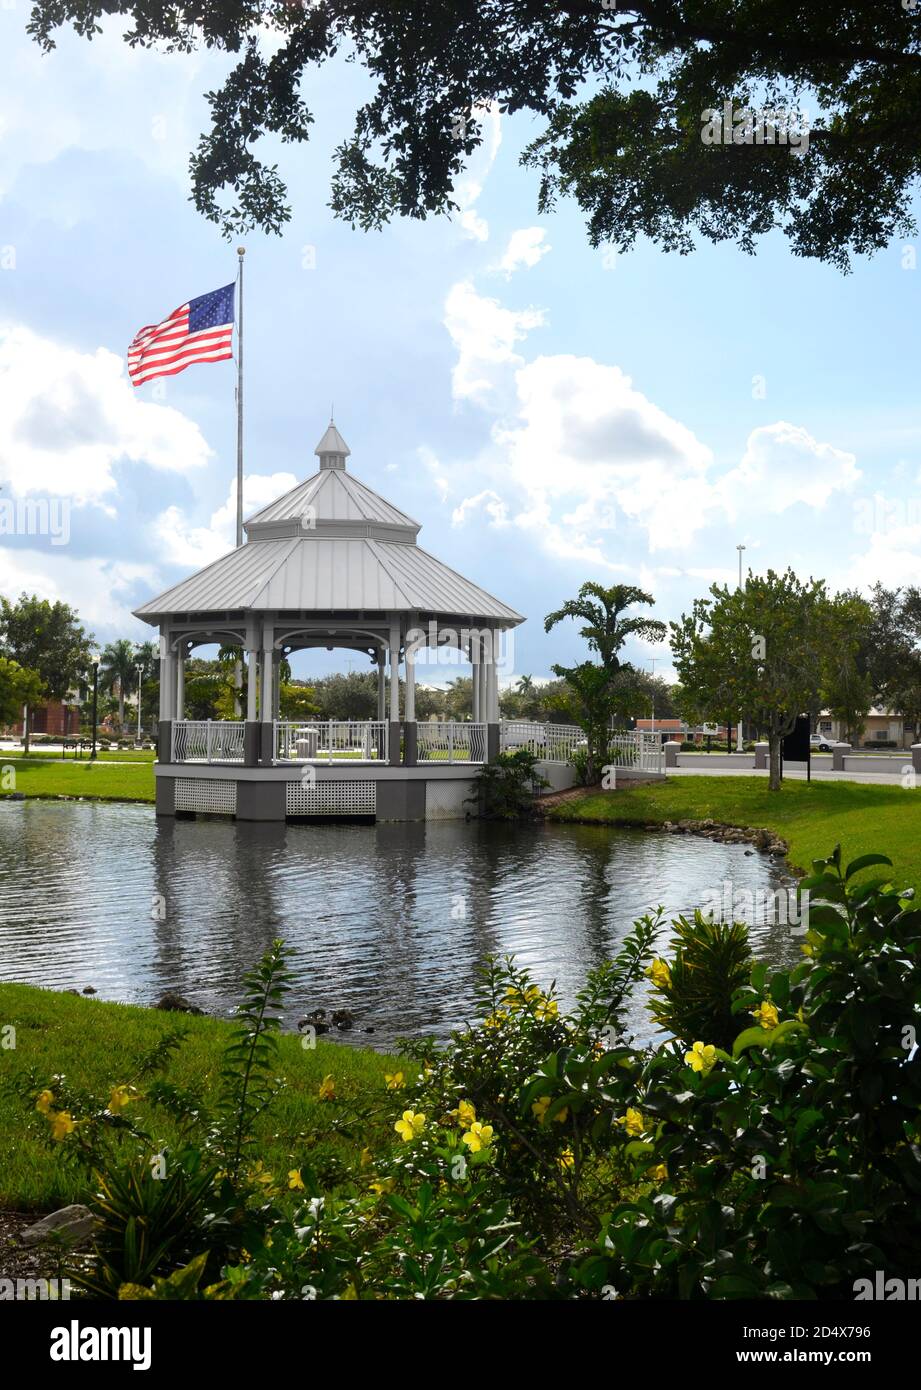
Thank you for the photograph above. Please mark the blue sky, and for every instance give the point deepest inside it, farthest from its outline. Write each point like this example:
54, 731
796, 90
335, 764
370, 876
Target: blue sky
550, 413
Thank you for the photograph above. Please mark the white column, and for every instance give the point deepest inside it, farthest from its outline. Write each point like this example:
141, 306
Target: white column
492, 683
381, 686
180, 682
410, 682
167, 676
394, 673
268, 672
475, 676
251, 680
276, 681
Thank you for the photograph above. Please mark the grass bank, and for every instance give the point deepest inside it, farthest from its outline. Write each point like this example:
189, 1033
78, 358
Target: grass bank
102, 780
97, 1045
811, 817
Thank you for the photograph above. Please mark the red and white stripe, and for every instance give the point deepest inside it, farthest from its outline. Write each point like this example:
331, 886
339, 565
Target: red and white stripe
163, 349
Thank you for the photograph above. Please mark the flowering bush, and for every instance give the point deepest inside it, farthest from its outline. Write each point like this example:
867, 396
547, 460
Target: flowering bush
545, 1155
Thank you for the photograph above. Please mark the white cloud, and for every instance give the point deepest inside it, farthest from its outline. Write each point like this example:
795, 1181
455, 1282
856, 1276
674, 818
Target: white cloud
581, 458
485, 335
490, 501
525, 248
893, 557
783, 465
471, 183
102, 591
192, 547
68, 417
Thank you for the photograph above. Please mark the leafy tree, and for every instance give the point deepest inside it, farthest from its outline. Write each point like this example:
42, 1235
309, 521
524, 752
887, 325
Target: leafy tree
351, 696
593, 698
619, 89
18, 687
756, 649
605, 628
46, 638
118, 673
296, 701
847, 690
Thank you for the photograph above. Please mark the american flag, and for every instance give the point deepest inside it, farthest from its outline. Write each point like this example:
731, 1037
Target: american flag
199, 331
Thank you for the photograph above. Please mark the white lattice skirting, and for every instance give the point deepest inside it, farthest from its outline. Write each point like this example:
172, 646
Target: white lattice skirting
331, 799
208, 795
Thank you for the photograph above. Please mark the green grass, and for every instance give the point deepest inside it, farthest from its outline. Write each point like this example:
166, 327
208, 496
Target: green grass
96, 1045
100, 781
127, 755
811, 817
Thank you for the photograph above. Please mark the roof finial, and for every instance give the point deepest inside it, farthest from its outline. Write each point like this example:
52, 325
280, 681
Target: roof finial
332, 448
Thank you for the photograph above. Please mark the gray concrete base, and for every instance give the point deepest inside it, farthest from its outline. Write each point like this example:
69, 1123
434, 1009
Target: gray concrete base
260, 801
401, 800
166, 795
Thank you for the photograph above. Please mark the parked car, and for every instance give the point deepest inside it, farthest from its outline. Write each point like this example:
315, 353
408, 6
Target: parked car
822, 743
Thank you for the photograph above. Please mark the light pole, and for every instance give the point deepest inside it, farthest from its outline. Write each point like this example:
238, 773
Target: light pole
140, 670
95, 665
739, 548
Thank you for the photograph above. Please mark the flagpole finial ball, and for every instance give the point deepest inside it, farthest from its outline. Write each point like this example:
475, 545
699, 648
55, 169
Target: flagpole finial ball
241, 250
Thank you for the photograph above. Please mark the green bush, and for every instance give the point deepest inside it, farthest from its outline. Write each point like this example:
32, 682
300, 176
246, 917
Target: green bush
506, 787
777, 1154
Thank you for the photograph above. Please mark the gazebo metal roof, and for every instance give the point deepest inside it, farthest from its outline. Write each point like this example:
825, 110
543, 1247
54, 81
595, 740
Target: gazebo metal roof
330, 544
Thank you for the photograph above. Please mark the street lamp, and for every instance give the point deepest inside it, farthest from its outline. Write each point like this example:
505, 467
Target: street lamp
739, 548
140, 670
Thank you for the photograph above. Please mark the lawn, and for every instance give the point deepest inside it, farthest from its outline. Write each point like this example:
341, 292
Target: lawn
125, 755
96, 1045
811, 817
100, 781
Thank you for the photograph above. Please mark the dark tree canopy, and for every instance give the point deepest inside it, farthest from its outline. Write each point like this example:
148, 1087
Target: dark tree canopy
618, 88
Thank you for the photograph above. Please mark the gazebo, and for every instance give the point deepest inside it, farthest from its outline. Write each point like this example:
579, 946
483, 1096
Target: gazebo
331, 564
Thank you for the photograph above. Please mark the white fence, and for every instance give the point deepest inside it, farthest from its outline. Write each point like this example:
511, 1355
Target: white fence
331, 740
208, 741
638, 751
552, 743
450, 742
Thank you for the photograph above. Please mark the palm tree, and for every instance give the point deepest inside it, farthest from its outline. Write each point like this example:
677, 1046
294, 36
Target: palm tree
605, 629
117, 673
525, 685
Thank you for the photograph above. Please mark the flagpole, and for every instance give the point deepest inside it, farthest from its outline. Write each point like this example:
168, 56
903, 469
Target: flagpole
241, 252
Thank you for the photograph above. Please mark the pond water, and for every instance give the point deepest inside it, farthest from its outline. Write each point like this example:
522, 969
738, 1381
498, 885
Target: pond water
389, 921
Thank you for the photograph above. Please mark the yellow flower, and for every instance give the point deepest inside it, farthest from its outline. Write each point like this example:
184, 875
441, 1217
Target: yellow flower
465, 1113
540, 1107
382, 1185
766, 1014
701, 1058
394, 1080
410, 1126
546, 1009
44, 1102
62, 1124
477, 1137
660, 974
633, 1122
659, 1172
365, 1157
566, 1159
497, 1019
295, 1181
120, 1097
327, 1088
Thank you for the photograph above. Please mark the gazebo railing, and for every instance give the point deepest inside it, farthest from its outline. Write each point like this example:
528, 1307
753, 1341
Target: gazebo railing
551, 743
450, 742
331, 740
208, 741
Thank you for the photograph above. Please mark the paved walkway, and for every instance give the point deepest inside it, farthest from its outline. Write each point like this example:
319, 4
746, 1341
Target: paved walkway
883, 779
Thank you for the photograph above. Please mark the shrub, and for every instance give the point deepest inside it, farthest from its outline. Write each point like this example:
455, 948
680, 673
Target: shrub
506, 787
694, 993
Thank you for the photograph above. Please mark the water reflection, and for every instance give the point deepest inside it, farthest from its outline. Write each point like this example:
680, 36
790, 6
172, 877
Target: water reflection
390, 921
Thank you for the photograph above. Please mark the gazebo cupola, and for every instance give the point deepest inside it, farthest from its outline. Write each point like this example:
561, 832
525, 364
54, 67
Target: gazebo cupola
332, 449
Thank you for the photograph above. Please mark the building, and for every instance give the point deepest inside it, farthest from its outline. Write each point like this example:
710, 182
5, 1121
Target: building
882, 728
57, 718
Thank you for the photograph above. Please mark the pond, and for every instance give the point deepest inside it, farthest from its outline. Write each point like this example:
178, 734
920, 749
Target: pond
389, 921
